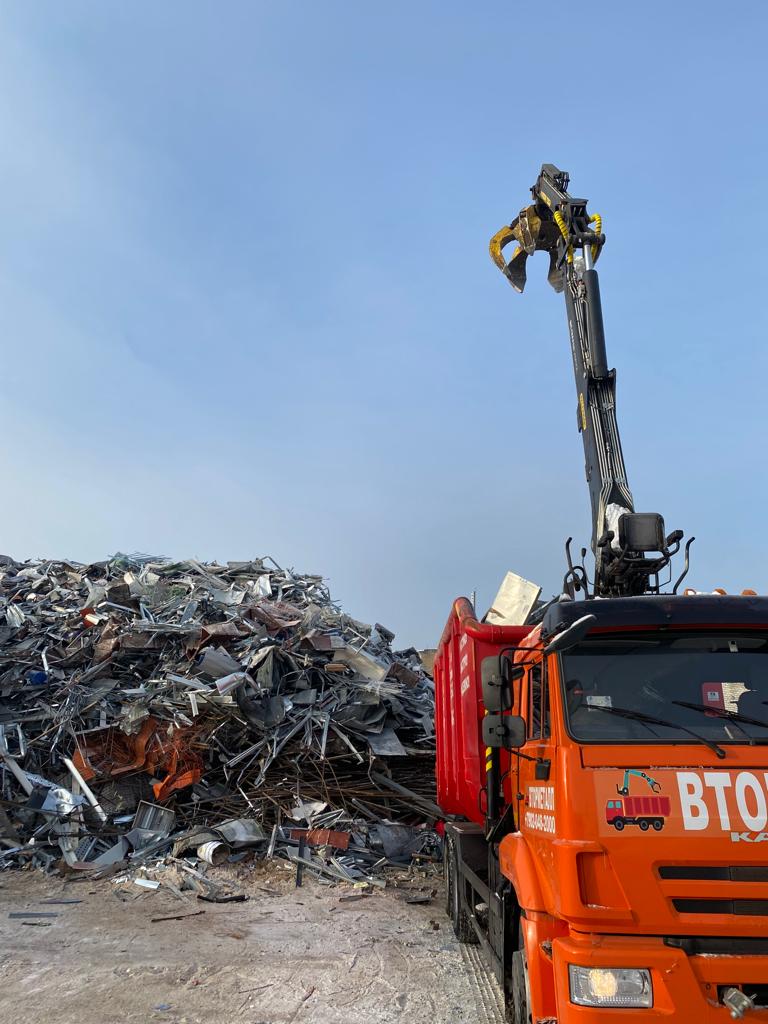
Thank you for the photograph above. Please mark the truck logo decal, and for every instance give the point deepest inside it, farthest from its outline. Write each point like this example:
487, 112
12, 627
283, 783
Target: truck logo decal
708, 802
739, 803
648, 811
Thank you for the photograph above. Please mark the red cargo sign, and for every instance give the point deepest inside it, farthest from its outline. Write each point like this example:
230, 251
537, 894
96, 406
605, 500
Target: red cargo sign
732, 804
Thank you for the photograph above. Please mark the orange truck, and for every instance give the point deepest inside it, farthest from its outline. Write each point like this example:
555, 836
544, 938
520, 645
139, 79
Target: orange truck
603, 764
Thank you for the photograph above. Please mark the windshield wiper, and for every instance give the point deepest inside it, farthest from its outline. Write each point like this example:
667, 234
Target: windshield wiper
641, 716
735, 716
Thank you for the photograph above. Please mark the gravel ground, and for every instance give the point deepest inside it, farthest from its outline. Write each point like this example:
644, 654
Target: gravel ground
287, 955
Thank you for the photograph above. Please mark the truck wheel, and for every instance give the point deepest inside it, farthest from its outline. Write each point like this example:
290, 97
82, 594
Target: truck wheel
618, 824
643, 825
447, 876
658, 825
462, 926
521, 988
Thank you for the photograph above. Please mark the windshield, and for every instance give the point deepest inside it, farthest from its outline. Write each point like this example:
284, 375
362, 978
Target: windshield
654, 688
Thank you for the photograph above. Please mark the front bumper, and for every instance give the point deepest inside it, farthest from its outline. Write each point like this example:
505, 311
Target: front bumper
685, 988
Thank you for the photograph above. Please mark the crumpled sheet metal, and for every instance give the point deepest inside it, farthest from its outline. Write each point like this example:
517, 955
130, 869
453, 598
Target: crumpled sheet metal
224, 692
154, 750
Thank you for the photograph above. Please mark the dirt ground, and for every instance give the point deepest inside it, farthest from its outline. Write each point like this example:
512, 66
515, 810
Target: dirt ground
287, 955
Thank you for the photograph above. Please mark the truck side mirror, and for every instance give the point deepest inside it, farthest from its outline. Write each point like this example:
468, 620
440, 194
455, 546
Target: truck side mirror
497, 674
504, 731
571, 636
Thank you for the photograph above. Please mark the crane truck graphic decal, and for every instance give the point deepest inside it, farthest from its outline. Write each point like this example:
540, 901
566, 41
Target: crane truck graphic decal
647, 812
729, 804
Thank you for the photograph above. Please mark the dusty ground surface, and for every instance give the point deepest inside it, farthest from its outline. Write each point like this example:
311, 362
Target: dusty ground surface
286, 956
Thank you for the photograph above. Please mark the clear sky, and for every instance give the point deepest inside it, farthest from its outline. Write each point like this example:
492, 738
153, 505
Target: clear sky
246, 304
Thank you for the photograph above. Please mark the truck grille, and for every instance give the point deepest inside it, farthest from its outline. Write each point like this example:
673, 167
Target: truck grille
748, 908
727, 945
717, 898
715, 873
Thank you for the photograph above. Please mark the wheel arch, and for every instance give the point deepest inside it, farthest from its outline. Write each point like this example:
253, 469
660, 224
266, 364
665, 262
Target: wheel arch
517, 864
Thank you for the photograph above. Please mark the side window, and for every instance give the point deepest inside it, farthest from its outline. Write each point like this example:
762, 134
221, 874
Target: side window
538, 702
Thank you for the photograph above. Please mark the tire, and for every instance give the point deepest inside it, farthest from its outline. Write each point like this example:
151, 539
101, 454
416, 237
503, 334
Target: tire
447, 876
521, 988
462, 926
618, 824
643, 825
658, 825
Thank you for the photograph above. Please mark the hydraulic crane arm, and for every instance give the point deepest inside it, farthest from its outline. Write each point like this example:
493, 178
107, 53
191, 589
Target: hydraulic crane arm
623, 789
630, 548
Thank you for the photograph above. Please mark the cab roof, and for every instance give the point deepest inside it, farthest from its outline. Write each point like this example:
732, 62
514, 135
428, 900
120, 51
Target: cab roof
660, 611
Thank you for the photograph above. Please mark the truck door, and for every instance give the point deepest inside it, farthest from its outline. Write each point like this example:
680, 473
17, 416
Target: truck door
536, 783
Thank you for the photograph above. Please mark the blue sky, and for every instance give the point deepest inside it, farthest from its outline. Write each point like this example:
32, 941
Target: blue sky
246, 305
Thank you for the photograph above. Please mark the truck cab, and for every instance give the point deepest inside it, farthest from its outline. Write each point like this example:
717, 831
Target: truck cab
606, 804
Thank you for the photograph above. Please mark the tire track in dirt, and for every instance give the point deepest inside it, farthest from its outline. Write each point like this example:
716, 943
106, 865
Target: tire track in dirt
488, 995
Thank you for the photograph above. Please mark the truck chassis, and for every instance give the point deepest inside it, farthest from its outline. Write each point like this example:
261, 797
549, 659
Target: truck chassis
483, 909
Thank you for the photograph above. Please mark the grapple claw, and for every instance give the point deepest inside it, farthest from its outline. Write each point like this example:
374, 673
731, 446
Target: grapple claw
532, 233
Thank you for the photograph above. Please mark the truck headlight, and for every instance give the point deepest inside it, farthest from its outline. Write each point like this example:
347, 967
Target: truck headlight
626, 987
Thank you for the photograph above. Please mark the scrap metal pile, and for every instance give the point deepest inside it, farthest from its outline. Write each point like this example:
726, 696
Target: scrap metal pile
150, 707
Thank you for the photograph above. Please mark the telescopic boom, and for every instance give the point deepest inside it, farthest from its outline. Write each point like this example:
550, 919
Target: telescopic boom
630, 548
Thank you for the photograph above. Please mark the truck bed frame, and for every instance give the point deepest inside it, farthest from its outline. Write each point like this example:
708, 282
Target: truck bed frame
480, 901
